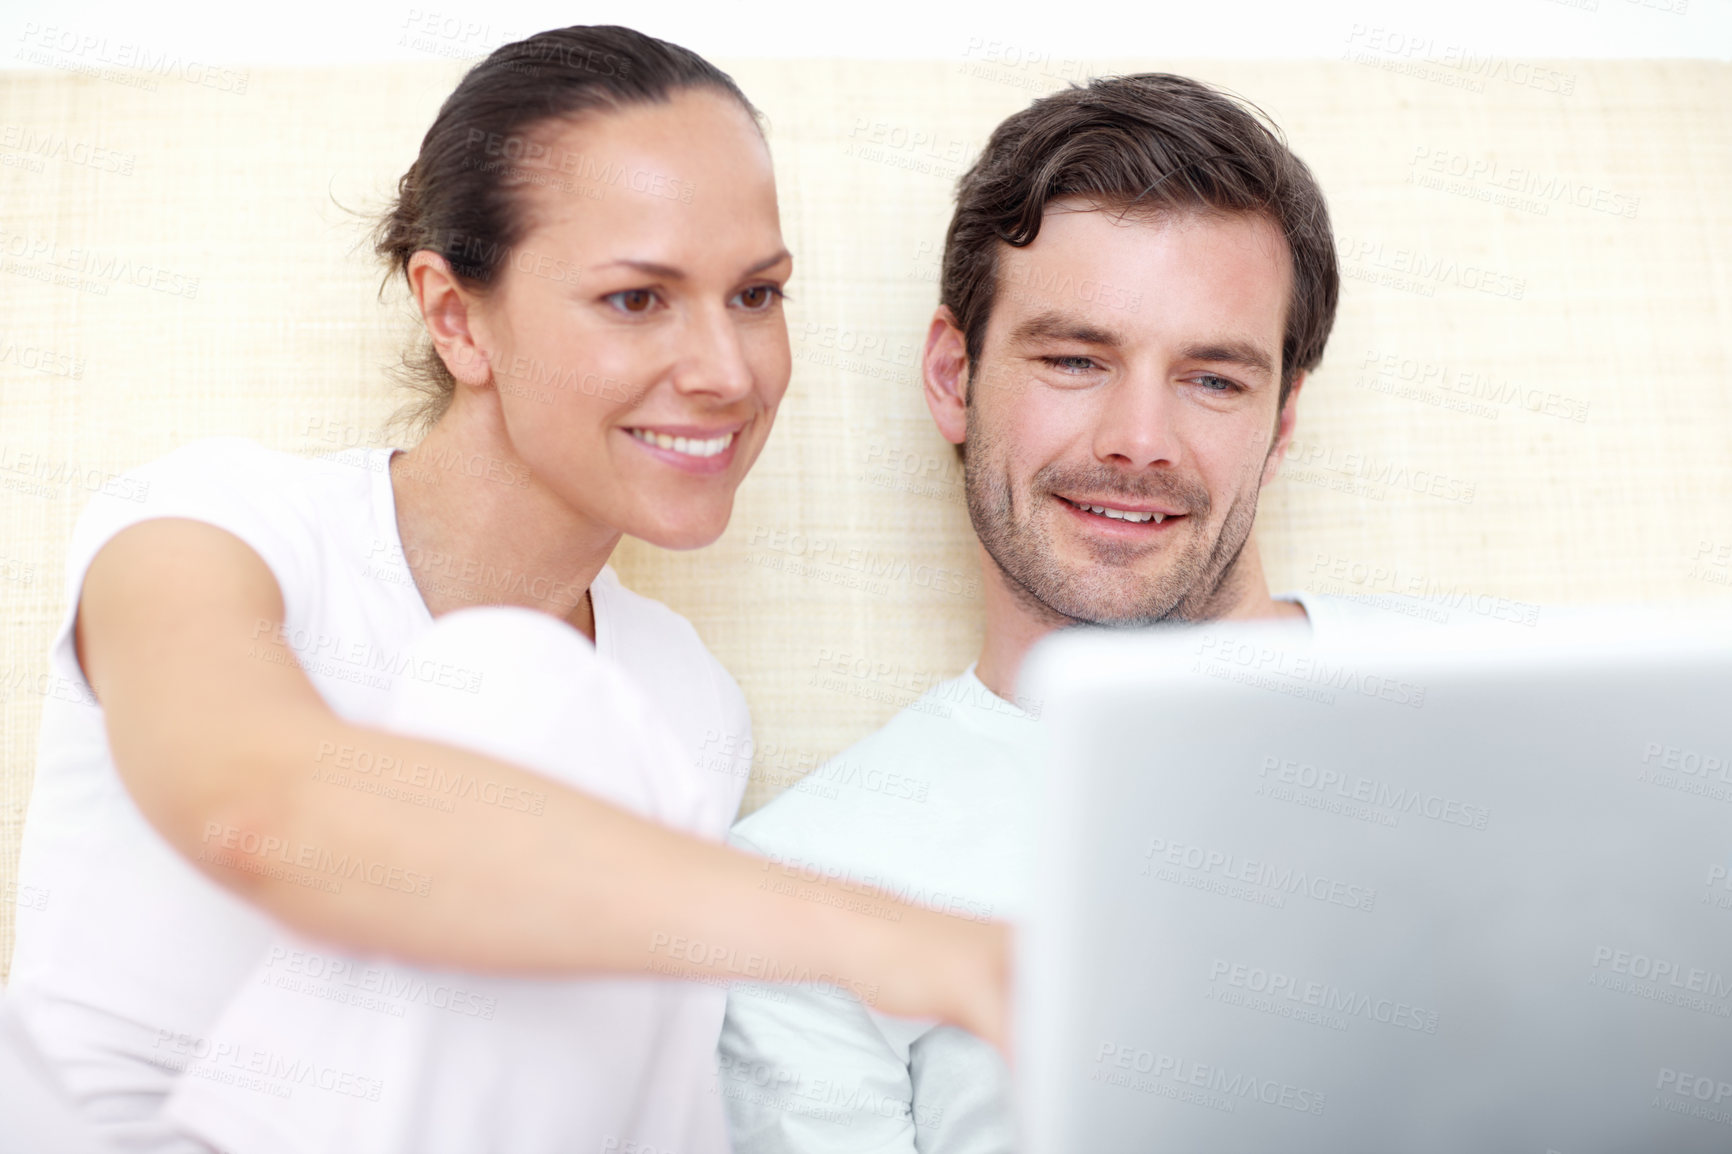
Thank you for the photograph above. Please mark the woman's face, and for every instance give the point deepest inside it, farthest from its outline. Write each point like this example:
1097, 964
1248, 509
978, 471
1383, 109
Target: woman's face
636, 335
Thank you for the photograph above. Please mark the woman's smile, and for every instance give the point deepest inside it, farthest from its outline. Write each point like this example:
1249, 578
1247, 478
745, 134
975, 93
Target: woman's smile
694, 449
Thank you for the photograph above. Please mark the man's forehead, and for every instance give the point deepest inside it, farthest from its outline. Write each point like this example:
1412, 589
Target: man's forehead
1090, 212
1125, 272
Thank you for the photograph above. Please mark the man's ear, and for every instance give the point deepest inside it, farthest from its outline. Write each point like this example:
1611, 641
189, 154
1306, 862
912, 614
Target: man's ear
944, 368
447, 309
1283, 430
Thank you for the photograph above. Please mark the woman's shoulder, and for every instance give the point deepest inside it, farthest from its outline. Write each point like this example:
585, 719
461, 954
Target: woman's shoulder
236, 473
648, 630
641, 620
235, 461
281, 505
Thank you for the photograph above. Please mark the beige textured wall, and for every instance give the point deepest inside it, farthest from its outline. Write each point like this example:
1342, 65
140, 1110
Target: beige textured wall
179, 262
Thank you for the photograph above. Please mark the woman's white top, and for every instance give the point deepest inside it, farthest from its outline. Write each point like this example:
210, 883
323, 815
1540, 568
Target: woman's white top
169, 1007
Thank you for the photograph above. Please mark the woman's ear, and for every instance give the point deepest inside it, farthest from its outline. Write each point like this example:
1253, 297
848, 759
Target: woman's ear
944, 368
447, 308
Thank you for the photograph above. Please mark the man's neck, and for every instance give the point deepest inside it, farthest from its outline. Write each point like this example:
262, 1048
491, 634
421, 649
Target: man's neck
1013, 625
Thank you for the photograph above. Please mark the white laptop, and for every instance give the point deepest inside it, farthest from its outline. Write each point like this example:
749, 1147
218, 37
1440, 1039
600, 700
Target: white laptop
1449, 893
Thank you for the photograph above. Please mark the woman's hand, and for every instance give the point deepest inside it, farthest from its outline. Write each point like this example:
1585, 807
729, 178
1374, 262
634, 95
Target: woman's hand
969, 970
219, 734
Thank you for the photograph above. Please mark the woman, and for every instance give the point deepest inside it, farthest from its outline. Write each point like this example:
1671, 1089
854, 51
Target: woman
293, 721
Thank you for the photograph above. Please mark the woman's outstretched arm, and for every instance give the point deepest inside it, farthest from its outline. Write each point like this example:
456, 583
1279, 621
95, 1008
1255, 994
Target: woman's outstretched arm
222, 741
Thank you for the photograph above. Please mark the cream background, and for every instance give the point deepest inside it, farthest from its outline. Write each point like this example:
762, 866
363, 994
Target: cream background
286, 341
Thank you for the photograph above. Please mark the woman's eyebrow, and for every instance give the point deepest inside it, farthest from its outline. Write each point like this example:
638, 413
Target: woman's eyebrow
769, 262
669, 272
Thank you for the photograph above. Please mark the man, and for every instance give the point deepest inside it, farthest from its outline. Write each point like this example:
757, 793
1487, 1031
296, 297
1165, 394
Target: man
1136, 280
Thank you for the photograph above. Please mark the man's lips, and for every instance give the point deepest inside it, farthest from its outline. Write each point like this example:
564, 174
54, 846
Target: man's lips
1119, 510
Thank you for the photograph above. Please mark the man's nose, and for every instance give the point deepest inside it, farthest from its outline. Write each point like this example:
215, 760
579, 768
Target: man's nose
1136, 426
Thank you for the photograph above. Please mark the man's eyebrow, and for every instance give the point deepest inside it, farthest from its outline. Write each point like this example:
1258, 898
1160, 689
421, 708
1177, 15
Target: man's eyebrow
669, 272
1057, 326
1230, 352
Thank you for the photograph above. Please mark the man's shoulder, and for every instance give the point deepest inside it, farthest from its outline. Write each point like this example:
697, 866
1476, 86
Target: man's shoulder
880, 783
1345, 618
936, 808
1337, 616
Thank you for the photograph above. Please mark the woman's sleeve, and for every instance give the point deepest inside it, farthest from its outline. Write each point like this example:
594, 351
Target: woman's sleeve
229, 482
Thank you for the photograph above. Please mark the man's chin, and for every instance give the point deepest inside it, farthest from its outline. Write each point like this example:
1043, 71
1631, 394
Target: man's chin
1128, 606
1146, 558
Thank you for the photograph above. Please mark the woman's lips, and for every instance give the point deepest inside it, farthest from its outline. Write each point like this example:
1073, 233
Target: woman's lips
691, 448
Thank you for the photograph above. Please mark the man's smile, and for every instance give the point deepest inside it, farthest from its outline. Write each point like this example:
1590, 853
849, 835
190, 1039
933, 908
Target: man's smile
1118, 514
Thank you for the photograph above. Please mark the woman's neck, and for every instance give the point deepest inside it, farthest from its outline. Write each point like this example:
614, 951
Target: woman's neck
479, 529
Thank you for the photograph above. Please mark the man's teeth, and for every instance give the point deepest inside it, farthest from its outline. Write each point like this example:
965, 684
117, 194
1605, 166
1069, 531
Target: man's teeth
690, 446
1123, 514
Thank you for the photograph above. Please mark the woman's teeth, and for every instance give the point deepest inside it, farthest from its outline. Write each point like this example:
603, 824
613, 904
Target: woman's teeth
690, 446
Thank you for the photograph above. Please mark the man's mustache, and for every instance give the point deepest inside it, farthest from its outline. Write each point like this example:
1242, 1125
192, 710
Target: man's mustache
1105, 483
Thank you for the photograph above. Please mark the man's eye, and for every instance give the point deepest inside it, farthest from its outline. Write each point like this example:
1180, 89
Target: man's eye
1216, 384
632, 300
1071, 364
759, 298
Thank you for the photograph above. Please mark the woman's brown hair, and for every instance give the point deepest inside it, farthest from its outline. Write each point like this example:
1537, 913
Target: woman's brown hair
462, 198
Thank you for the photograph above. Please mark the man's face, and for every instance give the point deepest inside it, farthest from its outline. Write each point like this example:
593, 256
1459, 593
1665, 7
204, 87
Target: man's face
1123, 414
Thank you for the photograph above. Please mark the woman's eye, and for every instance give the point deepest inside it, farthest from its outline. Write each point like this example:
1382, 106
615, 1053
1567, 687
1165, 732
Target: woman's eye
760, 297
632, 300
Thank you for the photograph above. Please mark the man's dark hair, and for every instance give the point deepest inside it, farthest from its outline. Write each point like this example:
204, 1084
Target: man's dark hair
1151, 142
463, 196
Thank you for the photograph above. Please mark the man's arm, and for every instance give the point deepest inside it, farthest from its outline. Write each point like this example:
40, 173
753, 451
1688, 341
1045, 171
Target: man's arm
804, 1070
962, 1095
